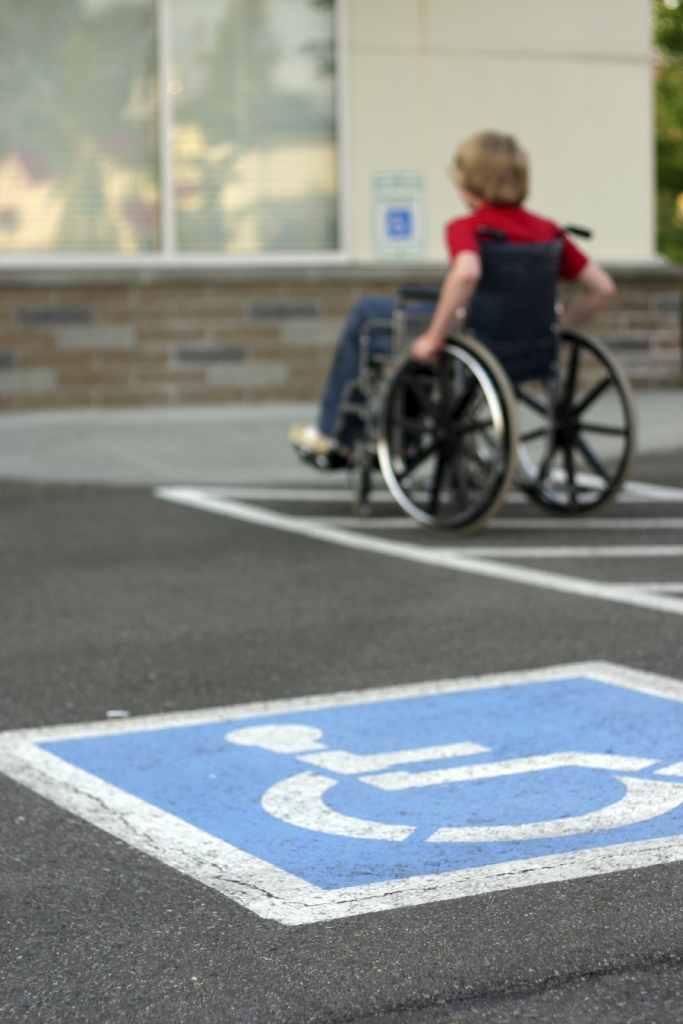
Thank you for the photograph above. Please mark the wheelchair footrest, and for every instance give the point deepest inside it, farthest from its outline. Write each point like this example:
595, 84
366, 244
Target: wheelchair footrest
332, 460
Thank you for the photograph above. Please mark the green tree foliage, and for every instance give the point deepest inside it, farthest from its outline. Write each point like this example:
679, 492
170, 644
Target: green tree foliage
669, 40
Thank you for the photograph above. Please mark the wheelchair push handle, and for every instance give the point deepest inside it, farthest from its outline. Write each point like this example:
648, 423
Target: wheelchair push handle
494, 235
430, 293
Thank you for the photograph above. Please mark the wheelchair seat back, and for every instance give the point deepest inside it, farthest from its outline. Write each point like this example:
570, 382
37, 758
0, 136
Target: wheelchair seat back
512, 311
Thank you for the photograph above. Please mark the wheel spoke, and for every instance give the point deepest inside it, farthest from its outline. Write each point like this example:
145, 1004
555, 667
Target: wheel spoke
415, 426
570, 384
590, 457
545, 465
464, 399
460, 480
531, 435
418, 460
532, 401
421, 395
569, 466
436, 485
475, 426
591, 395
598, 428
445, 368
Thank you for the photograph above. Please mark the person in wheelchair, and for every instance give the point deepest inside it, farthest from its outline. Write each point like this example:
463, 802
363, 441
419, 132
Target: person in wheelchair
491, 173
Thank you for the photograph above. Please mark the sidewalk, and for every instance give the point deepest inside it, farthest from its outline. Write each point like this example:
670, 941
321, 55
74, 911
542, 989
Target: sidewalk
244, 444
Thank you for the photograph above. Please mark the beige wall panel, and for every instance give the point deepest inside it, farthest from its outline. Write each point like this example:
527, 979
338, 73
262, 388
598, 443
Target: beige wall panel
571, 78
585, 126
590, 27
386, 131
384, 24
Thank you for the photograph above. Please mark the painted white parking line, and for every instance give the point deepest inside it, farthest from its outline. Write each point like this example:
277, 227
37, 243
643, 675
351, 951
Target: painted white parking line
550, 524
663, 588
633, 492
454, 560
598, 551
593, 523
325, 496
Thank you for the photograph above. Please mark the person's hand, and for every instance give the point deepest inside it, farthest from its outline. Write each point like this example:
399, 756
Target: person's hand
427, 348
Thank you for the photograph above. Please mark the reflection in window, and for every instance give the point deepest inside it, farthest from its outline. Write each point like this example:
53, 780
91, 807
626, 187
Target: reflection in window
253, 137
78, 165
254, 127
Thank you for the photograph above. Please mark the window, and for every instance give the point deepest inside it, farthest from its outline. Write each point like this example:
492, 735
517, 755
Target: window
253, 127
78, 155
232, 153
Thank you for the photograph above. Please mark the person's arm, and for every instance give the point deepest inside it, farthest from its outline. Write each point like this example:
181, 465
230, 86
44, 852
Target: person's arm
456, 291
595, 288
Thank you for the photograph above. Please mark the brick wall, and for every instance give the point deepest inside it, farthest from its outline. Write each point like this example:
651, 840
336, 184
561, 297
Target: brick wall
234, 336
642, 326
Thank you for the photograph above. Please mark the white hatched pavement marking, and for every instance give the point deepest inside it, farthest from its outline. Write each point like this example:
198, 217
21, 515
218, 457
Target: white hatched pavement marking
641, 493
632, 493
596, 551
665, 588
441, 558
505, 523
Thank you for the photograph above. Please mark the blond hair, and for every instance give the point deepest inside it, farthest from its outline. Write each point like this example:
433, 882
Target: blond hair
492, 166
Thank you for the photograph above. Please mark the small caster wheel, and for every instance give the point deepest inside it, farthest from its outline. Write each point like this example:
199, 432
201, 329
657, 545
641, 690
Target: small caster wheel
361, 490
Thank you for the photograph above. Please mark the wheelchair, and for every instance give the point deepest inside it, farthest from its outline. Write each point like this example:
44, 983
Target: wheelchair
513, 399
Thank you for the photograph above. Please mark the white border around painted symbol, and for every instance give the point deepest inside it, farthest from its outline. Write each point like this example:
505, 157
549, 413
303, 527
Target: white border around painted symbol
279, 895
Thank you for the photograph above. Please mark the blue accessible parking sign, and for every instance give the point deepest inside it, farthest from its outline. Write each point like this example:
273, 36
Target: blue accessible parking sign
323, 807
399, 222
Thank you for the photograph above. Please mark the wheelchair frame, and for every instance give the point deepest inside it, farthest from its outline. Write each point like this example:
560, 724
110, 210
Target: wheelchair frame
447, 437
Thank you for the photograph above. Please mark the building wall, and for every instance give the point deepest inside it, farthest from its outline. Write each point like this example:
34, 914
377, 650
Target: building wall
254, 336
570, 78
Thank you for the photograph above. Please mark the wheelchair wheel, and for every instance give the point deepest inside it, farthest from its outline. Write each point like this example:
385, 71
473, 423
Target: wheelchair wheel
577, 436
448, 436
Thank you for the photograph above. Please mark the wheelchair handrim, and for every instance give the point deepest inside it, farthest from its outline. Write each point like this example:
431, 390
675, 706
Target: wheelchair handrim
505, 433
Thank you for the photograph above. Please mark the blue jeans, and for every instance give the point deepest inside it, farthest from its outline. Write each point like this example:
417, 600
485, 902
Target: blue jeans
346, 364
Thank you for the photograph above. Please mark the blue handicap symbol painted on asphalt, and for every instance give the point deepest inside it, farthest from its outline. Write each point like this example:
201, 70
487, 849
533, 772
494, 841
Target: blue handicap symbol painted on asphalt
315, 808
350, 795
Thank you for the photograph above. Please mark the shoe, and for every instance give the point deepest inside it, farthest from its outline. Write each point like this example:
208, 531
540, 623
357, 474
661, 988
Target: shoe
309, 439
317, 449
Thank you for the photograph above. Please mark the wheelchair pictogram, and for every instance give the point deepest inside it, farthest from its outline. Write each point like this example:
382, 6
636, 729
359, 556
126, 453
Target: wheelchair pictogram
299, 799
331, 805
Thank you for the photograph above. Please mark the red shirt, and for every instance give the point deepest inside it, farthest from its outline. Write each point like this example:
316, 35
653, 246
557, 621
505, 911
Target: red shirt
520, 226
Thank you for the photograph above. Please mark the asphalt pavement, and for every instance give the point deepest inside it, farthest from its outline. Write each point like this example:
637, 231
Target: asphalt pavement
120, 601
